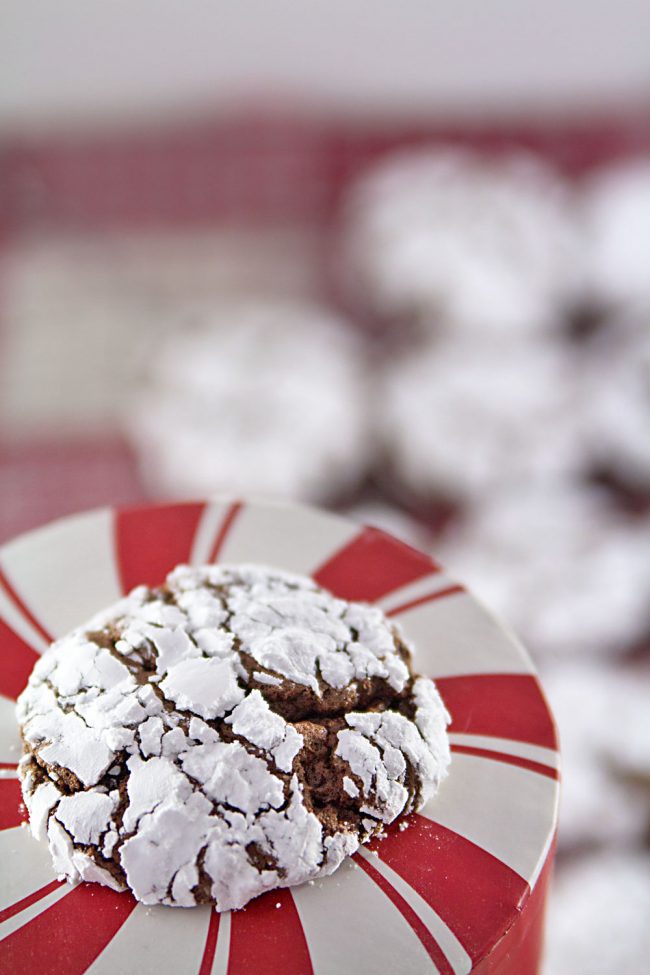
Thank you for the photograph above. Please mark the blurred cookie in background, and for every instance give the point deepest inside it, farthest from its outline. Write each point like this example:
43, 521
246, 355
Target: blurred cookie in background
603, 715
567, 569
268, 396
488, 243
617, 408
598, 913
458, 418
616, 211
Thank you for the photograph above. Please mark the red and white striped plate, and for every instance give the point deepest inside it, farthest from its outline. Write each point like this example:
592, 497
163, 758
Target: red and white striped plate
460, 890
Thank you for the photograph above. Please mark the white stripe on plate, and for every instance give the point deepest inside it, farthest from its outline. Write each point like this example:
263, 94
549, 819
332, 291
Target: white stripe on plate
444, 937
506, 810
65, 572
363, 931
207, 530
26, 865
10, 747
295, 538
520, 749
428, 585
15, 620
154, 940
542, 859
456, 637
221, 955
20, 920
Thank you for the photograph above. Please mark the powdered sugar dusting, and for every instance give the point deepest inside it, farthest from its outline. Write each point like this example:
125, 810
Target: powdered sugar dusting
206, 687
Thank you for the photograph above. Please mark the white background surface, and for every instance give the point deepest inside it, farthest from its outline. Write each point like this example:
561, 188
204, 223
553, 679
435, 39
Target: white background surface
74, 62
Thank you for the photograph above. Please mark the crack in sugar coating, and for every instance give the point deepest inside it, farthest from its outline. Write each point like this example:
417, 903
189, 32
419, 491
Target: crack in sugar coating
234, 730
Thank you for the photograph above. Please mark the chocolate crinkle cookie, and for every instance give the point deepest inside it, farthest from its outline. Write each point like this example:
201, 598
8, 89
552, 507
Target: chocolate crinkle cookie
464, 241
235, 730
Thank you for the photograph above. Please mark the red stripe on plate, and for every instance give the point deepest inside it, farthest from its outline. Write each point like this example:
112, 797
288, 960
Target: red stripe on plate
67, 937
526, 763
519, 953
475, 894
421, 931
17, 661
6, 766
149, 542
32, 898
210, 945
498, 705
12, 811
23, 607
226, 525
372, 565
430, 598
267, 938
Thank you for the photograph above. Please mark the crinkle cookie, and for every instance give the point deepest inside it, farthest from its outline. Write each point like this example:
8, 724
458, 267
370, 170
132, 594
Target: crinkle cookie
616, 203
259, 395
236, 730
455, 237
569, 572
458, 418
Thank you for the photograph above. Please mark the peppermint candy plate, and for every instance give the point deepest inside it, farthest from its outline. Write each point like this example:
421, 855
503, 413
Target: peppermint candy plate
458, 887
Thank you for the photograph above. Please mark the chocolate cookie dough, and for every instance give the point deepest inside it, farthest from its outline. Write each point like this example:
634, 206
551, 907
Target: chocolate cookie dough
235, 730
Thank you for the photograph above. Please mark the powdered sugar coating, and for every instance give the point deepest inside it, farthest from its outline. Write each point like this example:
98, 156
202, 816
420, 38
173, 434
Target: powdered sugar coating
458, 238
158, 760
269, 396
377, 747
